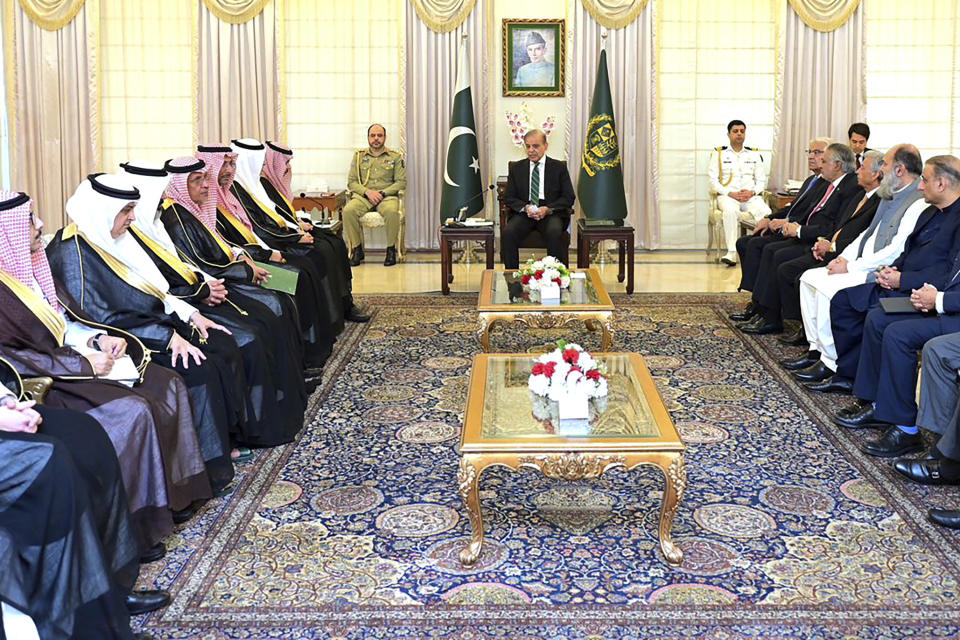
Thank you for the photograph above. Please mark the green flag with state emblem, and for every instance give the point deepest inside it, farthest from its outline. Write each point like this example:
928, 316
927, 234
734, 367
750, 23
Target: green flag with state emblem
462, 186
600, 185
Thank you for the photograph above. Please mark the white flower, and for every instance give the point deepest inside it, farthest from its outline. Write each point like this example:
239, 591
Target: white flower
538, 384
564, 282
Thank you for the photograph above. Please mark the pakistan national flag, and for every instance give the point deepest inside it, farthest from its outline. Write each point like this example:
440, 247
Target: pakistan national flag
461, 174
600, 186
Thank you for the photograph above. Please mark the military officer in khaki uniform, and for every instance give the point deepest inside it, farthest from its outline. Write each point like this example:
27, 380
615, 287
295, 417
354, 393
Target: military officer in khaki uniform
376, 176
737, 176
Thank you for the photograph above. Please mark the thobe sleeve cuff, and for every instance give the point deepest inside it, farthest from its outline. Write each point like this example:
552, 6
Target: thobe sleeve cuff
78, 335
181, 308
939, 302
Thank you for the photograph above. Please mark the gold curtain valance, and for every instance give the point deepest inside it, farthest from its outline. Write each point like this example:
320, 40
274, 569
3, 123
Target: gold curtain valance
824, 15
443, 15
614, 14
51, 14
235, 11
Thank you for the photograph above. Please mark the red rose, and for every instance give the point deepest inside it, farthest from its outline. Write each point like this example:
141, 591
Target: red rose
525, 280
538, 274
548, 368
557, 280
537, 369
571, 356
594, 374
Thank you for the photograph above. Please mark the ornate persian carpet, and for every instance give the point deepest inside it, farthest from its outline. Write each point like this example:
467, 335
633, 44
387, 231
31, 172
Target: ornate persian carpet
353, 531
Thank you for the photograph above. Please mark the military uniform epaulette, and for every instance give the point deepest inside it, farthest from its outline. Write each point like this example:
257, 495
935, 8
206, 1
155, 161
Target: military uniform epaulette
750, 148
723, 148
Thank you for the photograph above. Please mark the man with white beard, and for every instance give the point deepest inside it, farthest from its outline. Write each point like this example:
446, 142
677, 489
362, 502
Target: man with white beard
878, 246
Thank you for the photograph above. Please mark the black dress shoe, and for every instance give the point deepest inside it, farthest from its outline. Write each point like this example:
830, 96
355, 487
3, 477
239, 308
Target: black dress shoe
153, 554
391, 258
763, 328
817, 372
834, 384
796, 339
853, 409
747, 314
945, 517
357, 256
355, 315
925, 471
893, 443
179, 517
865, 419
146, 601
755, 321
804, 361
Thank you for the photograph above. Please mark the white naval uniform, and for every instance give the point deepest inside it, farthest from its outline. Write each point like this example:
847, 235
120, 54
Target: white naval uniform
731, 171
817, 287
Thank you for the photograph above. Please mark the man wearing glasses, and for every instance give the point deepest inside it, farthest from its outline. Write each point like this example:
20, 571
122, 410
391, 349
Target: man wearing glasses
769, 228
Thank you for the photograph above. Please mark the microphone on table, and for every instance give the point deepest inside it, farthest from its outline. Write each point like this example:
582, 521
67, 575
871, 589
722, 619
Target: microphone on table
463, 207
320, 207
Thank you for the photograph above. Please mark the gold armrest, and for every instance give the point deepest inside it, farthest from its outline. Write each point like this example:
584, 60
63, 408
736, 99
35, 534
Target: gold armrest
36, 389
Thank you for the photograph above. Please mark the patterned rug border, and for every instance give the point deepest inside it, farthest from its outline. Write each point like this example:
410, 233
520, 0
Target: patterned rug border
184, 611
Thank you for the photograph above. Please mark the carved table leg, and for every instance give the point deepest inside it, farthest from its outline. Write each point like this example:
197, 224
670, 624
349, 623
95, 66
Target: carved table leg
468, 479
607, 333
675, 477
483, 332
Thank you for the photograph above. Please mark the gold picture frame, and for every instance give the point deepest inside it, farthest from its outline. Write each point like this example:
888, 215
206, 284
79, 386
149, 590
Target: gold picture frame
534, 55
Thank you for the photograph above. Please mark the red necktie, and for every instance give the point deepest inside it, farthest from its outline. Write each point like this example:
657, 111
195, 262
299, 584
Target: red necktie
830, 188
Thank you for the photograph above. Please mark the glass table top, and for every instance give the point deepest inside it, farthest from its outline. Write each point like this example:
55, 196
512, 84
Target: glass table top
512, 412
506, 289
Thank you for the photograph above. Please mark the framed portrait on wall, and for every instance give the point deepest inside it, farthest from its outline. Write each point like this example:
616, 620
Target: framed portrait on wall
533, 57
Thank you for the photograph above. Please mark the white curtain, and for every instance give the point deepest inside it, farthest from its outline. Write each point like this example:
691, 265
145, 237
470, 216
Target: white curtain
820, 89
431, 75
54, 119
329, 105
632, 69
913, 75
239, 83
147, 78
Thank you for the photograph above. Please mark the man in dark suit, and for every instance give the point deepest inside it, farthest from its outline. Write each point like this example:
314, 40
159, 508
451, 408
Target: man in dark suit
854, 220
859, 134
750, 248
540, 197
940, 413
838, 169
886, 377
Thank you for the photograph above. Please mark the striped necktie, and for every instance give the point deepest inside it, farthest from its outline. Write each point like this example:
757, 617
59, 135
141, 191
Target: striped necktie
830, 188
535, 185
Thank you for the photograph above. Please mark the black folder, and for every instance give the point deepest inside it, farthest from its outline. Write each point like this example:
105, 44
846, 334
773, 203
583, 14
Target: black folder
898, 305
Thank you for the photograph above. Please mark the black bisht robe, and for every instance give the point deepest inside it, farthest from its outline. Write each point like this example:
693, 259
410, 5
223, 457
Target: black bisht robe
330, 245
312, 308
150, 425
286, 240
276, 396
54, 566
217, 386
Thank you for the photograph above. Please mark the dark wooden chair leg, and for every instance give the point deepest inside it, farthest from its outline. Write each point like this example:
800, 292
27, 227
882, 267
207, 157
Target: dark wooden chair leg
630, 254
621, 250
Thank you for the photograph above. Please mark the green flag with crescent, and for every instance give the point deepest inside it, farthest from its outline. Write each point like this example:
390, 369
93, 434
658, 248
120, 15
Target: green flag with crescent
600, 185
462, 186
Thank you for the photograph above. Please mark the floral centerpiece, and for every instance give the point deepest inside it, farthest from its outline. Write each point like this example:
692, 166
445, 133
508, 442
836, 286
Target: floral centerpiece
568, 370
536, 273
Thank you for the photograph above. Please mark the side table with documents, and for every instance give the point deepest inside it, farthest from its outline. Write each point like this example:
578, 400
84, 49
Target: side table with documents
466, 233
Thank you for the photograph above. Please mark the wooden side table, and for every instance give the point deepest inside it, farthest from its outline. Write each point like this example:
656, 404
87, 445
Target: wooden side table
449, 235
332, 200
624, 239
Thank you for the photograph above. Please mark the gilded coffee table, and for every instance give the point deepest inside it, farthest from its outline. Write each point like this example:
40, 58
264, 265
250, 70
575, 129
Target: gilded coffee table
503, 299
505, 425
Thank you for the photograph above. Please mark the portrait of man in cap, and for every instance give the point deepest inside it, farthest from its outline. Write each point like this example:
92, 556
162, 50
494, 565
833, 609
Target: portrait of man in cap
539, 71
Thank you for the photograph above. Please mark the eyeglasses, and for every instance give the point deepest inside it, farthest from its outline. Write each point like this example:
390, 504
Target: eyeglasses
816, 152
